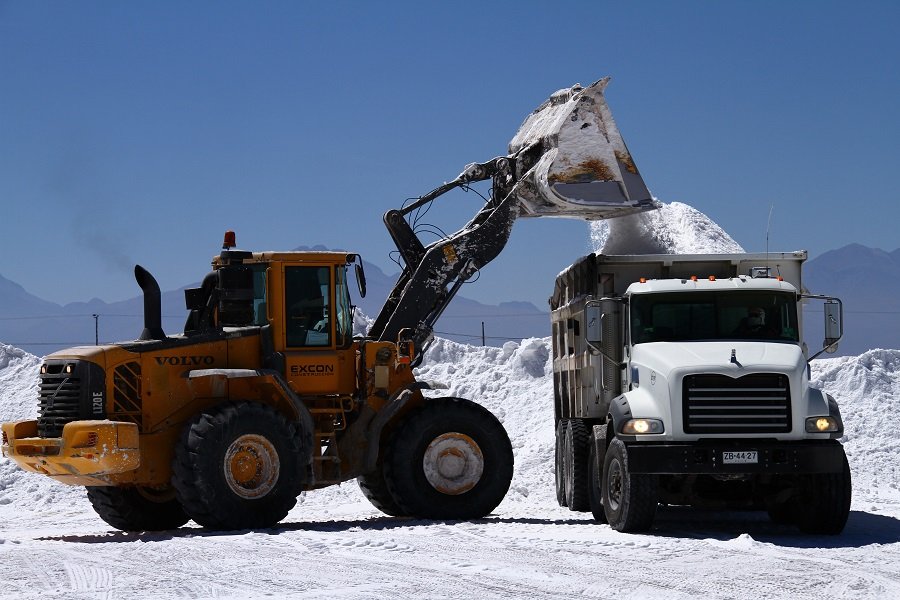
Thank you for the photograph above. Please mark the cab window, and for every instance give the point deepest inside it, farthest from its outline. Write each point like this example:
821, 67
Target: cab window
307, 306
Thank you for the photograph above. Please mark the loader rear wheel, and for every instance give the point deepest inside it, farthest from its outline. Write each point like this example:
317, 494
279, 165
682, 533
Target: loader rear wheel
629, 499
825, 502
137, 508
559, 462
375, 489
238, 466
575, 464
450, 459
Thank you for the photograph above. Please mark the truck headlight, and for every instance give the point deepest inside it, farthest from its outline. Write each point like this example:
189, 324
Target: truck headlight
821, 425
642, 426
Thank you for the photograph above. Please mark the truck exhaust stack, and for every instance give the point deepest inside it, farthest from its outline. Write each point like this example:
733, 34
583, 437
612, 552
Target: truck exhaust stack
585, 170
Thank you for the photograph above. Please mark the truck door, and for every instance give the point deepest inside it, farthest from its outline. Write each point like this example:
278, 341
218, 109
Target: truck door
318, 357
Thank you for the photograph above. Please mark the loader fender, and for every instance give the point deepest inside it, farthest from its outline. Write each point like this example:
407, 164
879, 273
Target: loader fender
395, 404
227, 383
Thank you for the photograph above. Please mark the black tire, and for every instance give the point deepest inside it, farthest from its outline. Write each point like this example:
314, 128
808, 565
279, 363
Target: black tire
137, 508
239, 466
559, 469
629, 500
375, 489
595, 476
825, 498
783, 513
450, 459
575, 464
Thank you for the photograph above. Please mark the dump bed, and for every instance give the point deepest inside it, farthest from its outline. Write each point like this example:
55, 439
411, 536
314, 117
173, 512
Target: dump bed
600, 275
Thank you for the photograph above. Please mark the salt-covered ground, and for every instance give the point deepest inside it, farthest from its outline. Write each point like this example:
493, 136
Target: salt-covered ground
334, 544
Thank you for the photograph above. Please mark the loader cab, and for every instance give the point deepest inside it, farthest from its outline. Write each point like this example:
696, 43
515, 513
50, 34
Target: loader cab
305, 299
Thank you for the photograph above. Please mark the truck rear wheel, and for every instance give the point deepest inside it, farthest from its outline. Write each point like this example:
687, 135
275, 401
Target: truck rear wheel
238, 466
825, 502
558, 463
595, 499
629, 499
575, 461
137, 508
450, 459
375, 489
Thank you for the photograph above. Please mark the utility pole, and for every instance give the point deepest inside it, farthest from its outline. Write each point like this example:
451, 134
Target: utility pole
96, 329
483, 343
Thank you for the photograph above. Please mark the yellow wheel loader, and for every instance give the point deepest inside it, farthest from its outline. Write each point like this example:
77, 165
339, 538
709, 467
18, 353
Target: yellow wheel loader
267, 393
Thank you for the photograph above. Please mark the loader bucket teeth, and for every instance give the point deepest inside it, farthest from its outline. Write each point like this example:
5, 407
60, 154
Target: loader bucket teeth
582, 168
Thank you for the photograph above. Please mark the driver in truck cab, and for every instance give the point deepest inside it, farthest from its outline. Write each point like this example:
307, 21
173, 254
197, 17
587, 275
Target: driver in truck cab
754, 325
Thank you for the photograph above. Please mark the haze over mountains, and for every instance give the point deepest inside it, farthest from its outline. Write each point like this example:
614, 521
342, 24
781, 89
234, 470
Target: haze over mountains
866, 279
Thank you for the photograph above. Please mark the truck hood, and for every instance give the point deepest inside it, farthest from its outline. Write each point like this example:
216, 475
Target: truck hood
749, 357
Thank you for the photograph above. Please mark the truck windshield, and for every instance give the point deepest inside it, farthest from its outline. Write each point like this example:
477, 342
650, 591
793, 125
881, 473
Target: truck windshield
694, 316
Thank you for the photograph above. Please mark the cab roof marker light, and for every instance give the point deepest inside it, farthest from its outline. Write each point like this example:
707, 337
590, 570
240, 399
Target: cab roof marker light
712, 277
693, 278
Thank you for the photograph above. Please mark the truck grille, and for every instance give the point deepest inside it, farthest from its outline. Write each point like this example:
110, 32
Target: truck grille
758, 403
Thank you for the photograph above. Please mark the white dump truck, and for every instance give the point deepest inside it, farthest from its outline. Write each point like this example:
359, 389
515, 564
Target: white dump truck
684, 380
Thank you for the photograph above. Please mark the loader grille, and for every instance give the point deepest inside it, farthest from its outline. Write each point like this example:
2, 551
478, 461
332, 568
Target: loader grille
758, 403
127, 392
66, 397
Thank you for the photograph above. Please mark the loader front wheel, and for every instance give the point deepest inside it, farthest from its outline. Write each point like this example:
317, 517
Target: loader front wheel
137, 508
450, 459
239, 466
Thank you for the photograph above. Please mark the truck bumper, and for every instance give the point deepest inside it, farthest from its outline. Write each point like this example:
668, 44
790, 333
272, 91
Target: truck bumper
818, 456
87, 452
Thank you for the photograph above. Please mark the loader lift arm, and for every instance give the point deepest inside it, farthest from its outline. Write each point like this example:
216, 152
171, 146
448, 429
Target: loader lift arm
421, 293
567, 160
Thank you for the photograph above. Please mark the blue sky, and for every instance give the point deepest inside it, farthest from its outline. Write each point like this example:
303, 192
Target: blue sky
138, 132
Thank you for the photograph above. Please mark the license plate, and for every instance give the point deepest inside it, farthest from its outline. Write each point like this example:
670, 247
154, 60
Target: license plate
740, 458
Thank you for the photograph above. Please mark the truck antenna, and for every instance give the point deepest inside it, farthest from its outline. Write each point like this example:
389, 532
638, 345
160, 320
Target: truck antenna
768, 228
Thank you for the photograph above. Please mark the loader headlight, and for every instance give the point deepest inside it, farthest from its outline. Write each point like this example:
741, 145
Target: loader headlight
821, 425
642, 426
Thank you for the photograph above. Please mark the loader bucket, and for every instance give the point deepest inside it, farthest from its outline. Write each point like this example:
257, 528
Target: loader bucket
583, 169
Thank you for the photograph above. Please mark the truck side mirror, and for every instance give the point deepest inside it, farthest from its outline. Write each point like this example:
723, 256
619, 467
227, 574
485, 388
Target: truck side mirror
834, 326
593, 317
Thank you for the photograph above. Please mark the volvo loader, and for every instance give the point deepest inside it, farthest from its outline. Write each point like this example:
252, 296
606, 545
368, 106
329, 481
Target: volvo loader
267, 393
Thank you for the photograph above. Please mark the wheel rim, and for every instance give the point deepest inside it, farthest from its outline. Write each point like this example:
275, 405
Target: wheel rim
453, 463
614, 485
251, 466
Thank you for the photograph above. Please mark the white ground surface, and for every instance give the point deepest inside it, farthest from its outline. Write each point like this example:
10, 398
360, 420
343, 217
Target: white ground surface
334, 544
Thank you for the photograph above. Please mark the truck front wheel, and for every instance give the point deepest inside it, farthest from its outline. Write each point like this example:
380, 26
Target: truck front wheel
238, 466
629, 500
824, 502
451, 459
137, 508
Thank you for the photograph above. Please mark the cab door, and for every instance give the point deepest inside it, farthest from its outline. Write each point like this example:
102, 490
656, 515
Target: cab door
318, 359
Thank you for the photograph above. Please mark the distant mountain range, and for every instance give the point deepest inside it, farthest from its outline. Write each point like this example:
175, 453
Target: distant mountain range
41, 327
866, 279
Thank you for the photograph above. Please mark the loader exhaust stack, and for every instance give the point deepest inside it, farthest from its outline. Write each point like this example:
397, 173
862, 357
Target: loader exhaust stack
152, 305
